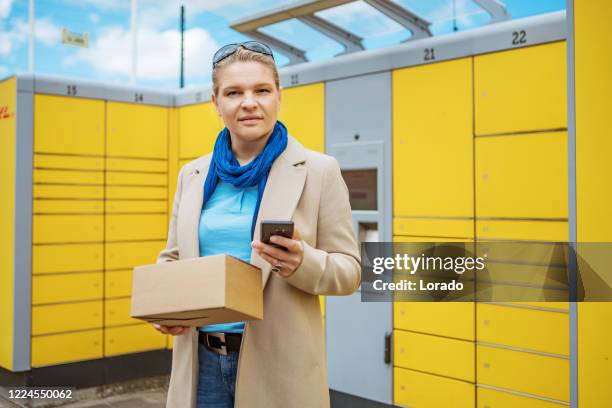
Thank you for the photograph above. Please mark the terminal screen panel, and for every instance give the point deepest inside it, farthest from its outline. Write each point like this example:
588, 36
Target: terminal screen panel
363, 188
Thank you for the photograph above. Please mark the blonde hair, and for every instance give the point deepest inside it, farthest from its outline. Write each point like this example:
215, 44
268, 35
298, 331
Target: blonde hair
243, 54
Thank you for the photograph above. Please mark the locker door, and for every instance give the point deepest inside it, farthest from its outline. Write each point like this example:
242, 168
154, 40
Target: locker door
137, 130
302, 111
521, 90
198, 127
432, 140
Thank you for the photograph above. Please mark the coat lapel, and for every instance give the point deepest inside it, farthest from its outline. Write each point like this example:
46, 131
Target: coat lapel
283, 191
191, 208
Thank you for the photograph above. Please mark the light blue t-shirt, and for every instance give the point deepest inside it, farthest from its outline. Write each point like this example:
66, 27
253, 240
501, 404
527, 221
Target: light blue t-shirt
225, 228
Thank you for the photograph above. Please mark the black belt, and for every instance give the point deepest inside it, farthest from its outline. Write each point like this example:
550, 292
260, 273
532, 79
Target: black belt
221, 343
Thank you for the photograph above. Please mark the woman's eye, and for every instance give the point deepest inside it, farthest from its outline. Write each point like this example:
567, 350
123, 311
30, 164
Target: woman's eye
263, 90
232, 93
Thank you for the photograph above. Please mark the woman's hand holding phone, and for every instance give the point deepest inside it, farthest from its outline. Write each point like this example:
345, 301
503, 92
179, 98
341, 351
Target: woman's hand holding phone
284, 261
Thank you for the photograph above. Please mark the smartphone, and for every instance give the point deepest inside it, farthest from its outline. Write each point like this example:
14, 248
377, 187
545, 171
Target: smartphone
269, 228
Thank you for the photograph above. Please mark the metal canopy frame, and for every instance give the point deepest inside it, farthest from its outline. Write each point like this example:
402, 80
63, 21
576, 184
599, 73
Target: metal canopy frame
305, 10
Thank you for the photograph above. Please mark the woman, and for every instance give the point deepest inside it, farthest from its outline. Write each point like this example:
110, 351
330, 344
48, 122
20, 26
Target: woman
257, 172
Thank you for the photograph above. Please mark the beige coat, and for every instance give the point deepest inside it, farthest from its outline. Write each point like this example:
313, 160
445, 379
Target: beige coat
282, 358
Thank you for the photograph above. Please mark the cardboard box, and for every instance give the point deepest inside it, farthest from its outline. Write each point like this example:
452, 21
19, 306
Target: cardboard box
198, 291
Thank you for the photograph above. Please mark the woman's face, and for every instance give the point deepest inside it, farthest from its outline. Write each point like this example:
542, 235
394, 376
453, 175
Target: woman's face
247, 100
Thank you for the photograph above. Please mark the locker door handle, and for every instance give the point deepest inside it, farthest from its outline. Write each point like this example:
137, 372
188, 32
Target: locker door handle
387, 348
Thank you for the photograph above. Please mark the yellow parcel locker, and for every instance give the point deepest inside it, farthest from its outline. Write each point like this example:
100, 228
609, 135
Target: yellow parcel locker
65, 348
69, 287
139, 131
525, 328
199, 126
67, 207
488, 398
132, 339
432, 130
136, 165
67, 191
421, 390
68, 176
67, 258
60, 161
433, 354
118, 283
122, 255
136, 206
67, 228
132, 227
521, 90
522, 176
529, 373
306, 125
523, 230
137, 178
68, 125
117, 312
444, 319
440, 228
66, 317
138, 193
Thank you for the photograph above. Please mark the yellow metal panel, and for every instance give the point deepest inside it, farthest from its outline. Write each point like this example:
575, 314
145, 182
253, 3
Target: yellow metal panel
129, 254
535, 374
402, 238
531, 329
67, 258
306, 125
118, 283
43, 161
593, 87
69, 177
127, 227
68, 206
64, 348
173, 155
488, 398
139, 206
67, 191
433, 354
8, 100
67, 228
429, 227
521, 90
67, 287
432, 129
143, 179
115, 192
198, 127
170, 342
68, 125
420, 390
117, 312
146, 165
136, 130
66, 317
322, 303
131, 339
522, 176
594, 353
519, 230
444, 319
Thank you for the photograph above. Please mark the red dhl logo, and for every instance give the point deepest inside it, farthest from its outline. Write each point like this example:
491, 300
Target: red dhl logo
4, 112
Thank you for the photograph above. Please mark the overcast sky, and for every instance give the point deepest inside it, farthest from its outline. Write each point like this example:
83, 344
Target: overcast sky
108, 57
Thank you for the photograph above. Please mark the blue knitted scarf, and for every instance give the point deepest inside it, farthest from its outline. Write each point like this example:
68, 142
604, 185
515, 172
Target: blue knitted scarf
224, 165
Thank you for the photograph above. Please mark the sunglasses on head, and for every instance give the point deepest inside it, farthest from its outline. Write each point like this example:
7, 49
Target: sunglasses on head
229, 49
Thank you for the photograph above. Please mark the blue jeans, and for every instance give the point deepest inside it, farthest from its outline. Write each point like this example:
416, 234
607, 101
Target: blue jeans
216, 378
